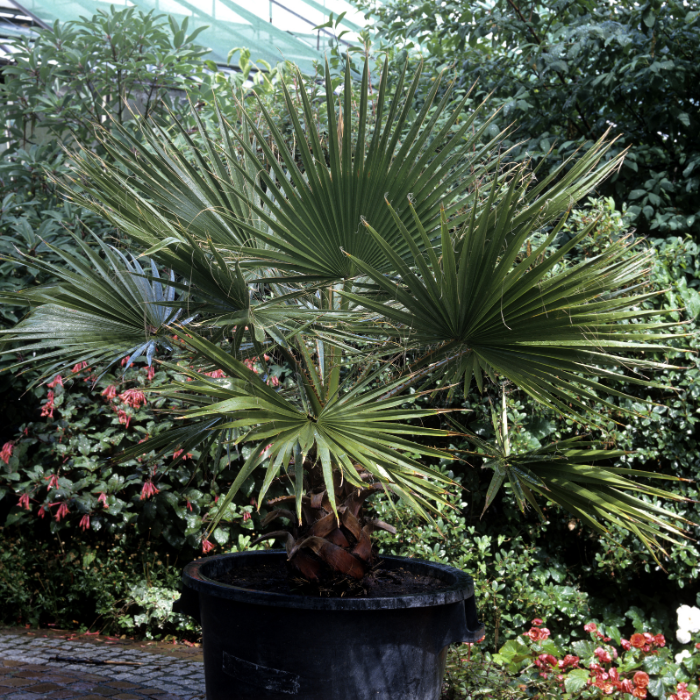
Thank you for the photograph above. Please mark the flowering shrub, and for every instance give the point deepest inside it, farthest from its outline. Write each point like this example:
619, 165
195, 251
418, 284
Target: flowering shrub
57, 467
606, 664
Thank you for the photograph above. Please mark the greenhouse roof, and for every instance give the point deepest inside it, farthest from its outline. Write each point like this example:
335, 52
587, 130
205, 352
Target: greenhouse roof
273, 30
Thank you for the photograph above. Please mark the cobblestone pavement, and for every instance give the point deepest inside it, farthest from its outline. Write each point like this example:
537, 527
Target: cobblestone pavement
34, 665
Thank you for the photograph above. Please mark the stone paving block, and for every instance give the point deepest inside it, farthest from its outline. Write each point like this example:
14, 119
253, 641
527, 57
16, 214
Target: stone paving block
127, 696
43, 687
121, 685
14, 682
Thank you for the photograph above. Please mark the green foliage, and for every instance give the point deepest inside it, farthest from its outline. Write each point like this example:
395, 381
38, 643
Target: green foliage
566, 72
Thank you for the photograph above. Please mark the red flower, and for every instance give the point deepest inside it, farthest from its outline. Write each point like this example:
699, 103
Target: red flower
216, 374
133, 398
151, 373
61, 512
246, 516
569, 660
79, 367
102, 498
85, 523
53, 482
41, 512
274, 381
637, 640
639, 692
48, 408
641, 679
189, 506
627, 686
590, 627
24, 501
625, 644
6, 452
537, 622
207, 546
57, 381
123, 417
126, 359
177, 453
660, 640
544, 659
149, 489
110, 392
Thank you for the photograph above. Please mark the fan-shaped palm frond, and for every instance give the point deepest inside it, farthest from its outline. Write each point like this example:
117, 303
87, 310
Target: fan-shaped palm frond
299, 209
481, 302
99, 312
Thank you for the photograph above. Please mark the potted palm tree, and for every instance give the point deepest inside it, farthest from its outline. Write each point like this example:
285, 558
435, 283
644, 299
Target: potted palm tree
387, 254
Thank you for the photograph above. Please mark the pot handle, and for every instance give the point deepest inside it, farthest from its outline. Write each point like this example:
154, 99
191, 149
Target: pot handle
188, 604
460, 624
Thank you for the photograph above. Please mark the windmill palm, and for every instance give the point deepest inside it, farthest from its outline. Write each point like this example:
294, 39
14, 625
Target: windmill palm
396, 234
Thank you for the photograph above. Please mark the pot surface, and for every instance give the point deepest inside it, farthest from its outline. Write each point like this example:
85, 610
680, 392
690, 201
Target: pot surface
271, 646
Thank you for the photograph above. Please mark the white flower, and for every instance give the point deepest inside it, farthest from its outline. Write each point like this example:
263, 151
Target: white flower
688, 618
685, 654
683, 636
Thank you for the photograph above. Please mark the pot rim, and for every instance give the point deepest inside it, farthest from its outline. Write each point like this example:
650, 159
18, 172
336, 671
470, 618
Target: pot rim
461, 586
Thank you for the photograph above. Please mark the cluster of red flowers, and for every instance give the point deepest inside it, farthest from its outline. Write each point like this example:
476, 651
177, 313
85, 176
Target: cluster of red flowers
133, 398
537, 633
216, 374
149, 489
177, 453
48, 408
646, 642
207, 546
682, 693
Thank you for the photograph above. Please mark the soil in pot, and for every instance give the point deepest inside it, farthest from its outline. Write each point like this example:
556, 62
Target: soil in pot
379, 582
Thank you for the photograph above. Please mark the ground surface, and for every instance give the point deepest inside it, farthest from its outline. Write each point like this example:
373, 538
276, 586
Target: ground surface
53, 664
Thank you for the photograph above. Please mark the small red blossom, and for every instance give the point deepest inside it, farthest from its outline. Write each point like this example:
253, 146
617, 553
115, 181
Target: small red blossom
53, 482
246, 516
216, 374
133, 398
124, 418
274, 381
603, 655
537, 622
177, 453
85, 523
207, 546
660, 640
625, 644
189, 506
151, 373
639, 693
41, 512
538, 634
61, 512
24, 501
57, 381
627, 686
110, 392
149, 489
102, 498
6, 452
590, 627
569, 660
125, 359
544, 660
79, 367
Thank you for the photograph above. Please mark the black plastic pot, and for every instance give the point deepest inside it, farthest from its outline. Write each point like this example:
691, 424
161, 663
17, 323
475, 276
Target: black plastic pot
272, 646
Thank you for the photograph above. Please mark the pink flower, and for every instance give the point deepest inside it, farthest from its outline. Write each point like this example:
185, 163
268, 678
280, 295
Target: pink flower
102, 498
537, 622
590, 627
544, 659
61, 512
151, 373
57, 381
216, 374
660, 640
625, 644
41, 512
569, 660
53, 482
79, 367
246, 516
6, 452
123, 417
177, 453
149, 489
48, 408
538, 634
207, 546
133, 398
627, 686
603, 655
85, 523
126, 359
189, 506
24, 501
110, 392
637, 640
